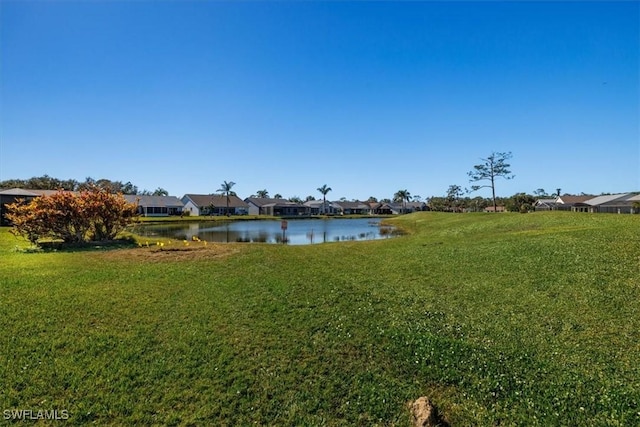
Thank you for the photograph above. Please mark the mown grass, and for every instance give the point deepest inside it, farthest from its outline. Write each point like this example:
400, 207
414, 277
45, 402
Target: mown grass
501, 319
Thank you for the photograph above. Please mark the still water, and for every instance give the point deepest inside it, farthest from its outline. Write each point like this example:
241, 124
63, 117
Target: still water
298, 232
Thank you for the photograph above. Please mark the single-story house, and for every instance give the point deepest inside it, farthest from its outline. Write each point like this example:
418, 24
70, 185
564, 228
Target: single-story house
496, 209
415, 207
545, 205
608, 203
275, 207
382, 208
573, 203
352, 208
635, 203
156, 205
397, 208
213, 204
12, 195
318, 207
613, 203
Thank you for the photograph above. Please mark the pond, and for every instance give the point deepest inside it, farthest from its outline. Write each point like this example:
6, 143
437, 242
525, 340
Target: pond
298, 232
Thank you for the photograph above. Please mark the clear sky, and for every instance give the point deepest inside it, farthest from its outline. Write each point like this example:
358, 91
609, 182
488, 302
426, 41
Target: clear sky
366, 97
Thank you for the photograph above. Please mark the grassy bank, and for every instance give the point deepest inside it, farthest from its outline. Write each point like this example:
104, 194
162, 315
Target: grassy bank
502, 319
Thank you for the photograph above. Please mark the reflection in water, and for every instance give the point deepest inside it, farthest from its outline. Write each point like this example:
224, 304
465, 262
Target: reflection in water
299, 232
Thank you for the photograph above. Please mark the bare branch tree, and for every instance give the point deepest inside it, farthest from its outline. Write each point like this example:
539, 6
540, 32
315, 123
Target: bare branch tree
494, 166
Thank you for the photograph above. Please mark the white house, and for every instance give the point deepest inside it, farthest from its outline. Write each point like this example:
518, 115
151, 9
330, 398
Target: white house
316, 207
156, 205
213, 204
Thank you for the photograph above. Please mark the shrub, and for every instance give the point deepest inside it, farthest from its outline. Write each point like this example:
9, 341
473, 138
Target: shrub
92, 215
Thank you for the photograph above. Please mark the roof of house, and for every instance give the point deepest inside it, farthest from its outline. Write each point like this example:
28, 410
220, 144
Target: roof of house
546, 201
216, 200
265, 201
155, 201
415, 204
352, 205
571, 200
396, 205
605, 199
27, 192
393, 207
288, 204
18, 192
317, 203
390, 205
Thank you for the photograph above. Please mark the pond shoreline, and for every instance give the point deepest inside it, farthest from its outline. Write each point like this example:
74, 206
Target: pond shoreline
222, 218
296, 230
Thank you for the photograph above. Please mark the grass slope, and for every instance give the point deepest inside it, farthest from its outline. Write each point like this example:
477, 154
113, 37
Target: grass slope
502, 319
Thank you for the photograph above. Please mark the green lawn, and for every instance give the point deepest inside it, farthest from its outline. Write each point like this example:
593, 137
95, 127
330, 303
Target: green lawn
501, 319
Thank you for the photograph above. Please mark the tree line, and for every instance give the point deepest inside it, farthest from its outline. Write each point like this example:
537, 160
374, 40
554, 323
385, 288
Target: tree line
456, 199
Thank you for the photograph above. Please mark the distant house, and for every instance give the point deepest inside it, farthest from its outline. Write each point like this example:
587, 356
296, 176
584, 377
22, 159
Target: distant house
608, 203
352, 208
383, 209
12, 195
213, 204
497, 209
416, 206
613, 203
318, 207
545, 205
275, 207
635, 203
156, 205
397, 208
573, 203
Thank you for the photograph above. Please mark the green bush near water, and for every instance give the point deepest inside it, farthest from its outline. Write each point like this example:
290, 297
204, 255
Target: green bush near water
502, 319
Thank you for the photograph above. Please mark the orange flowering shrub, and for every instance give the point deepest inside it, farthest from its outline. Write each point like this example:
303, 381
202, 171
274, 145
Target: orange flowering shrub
92, 215
108, 213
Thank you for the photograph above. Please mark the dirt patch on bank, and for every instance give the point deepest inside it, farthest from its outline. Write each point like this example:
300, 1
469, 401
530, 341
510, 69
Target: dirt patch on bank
425, 414
192, 252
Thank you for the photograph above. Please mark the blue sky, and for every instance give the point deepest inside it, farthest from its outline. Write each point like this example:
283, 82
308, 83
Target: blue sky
366, 97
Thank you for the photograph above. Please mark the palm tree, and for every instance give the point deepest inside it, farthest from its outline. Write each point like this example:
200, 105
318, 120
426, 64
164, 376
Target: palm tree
324, 190
402, 196
277, 196
263, 194
225, 188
